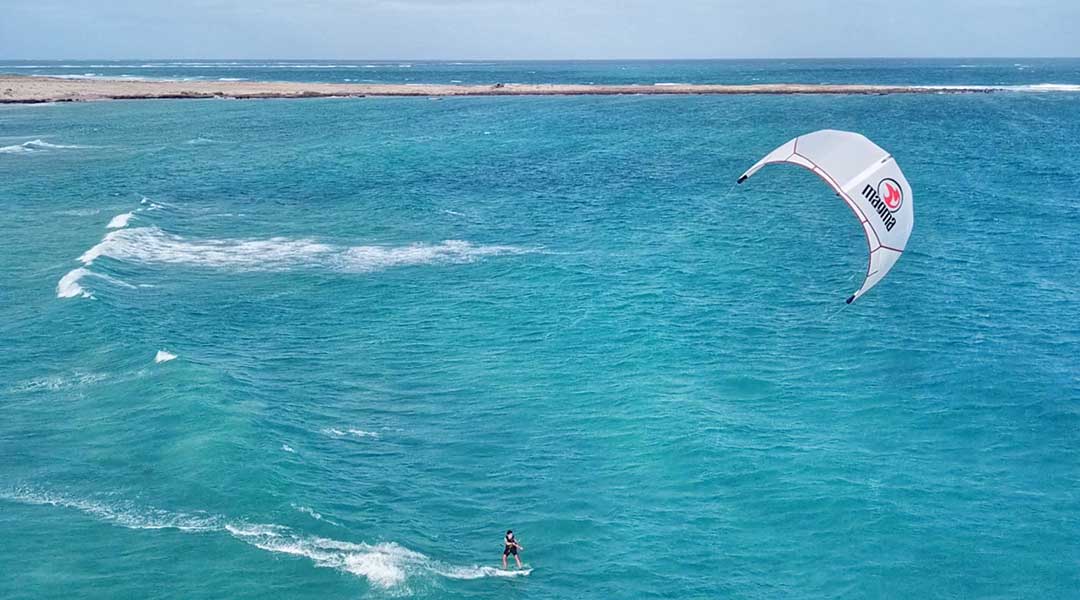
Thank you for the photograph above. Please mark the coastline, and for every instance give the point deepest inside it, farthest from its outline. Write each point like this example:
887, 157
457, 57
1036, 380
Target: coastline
22, 89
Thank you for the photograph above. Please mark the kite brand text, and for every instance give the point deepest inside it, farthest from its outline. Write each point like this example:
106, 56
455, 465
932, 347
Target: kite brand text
879, 205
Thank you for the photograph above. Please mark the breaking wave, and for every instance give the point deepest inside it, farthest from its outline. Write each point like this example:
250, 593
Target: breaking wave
385, 565
164, 356
69, 285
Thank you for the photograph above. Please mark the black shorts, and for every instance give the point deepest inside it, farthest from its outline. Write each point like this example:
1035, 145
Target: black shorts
510, 550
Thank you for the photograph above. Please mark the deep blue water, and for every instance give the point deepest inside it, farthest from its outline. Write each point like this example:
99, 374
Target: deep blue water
403, 326
953, 71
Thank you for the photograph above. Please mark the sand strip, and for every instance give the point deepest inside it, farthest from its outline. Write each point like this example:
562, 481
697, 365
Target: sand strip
24, 89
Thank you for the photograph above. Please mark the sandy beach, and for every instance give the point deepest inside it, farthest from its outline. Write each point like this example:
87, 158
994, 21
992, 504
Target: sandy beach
16, 89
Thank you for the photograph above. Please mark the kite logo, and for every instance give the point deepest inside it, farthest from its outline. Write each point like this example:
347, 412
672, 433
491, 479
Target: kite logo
885, 199
891, 194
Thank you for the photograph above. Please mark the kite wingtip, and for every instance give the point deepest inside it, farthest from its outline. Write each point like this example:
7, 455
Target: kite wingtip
850, 299
741, 179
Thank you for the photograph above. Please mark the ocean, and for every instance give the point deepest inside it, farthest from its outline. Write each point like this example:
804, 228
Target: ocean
335, 348
1020, 72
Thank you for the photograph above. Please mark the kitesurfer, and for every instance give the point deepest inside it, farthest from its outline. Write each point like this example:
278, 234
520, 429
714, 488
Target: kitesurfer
511, 546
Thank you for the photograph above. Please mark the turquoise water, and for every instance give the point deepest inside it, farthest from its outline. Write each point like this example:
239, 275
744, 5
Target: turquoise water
403, 326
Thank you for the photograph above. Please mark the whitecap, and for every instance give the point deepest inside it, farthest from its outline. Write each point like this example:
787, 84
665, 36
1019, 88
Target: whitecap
288, 448
163, 356
360, 433
68, 286
120, 221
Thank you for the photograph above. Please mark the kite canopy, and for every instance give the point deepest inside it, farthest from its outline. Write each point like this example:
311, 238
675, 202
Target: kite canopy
867, 179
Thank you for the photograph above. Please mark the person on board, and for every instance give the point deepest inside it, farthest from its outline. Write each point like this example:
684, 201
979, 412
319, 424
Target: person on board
511, 546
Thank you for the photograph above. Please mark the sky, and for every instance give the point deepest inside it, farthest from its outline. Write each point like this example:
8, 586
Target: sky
536, 29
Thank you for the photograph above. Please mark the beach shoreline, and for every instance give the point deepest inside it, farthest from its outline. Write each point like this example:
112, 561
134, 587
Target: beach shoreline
22, 89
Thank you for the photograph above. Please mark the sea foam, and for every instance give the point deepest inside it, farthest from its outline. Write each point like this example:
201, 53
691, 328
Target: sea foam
118, 513
163, 356
150, 245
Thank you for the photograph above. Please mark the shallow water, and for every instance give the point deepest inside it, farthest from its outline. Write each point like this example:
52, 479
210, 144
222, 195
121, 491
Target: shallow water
335, 348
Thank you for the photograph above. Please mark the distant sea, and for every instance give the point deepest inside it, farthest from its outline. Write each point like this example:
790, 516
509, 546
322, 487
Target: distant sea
966, 71
335, 348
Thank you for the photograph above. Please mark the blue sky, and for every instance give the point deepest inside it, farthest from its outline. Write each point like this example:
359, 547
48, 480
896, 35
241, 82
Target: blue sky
521, 29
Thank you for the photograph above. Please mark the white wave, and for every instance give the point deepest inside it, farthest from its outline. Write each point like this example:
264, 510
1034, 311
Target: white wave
334, 432
34, 146
120, 221
68, 286
150, 245
288, 448
360, 433
386, 565
163, 356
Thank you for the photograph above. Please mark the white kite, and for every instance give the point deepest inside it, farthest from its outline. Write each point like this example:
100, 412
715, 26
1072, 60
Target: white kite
868, 180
